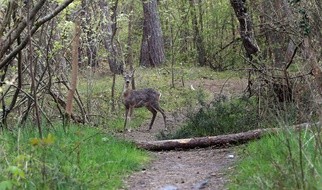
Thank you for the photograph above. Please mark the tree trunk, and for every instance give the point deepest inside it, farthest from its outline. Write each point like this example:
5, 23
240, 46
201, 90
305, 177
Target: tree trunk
152, 47
87, 26
246, 27
109, 26
129, 55
197, 37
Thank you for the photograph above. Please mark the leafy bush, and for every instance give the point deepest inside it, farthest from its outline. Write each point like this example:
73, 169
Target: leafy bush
220, 117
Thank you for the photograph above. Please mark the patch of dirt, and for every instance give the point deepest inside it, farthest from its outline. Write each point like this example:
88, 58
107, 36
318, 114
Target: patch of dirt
184, 170
193, 169
179, 170
226, 87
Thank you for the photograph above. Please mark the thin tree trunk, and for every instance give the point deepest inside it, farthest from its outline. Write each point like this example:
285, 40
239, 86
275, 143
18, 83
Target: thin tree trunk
198, 39
8, 40
91, 49
129, 57
74, 73
33, 73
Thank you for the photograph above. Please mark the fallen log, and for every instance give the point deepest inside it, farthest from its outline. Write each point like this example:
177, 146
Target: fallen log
201, 142
215, 141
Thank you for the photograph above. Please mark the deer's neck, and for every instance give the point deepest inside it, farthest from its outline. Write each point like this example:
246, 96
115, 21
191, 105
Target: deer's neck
127, 90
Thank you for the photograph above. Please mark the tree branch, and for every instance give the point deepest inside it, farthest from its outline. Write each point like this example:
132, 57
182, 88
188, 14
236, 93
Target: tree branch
37, 24
12, 36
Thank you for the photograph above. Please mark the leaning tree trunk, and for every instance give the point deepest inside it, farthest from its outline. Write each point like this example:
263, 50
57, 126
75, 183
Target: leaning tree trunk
246, 27
152, 47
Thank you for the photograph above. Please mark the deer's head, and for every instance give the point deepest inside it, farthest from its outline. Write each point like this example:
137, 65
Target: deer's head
128, 77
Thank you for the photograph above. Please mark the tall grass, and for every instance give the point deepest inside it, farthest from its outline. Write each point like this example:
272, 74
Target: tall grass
81, 158
289, 160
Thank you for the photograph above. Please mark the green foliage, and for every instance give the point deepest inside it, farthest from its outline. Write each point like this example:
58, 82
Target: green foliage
290, 160
220, 117
80, 158
216, 24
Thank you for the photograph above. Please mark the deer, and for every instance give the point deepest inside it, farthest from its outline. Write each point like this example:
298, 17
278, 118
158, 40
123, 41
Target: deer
147, 97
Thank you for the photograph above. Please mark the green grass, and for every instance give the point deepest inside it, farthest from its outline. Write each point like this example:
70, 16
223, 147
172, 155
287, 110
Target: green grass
97, 94
280, 162
81, 158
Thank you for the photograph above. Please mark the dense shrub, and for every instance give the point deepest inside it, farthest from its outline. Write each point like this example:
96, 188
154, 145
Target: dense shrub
220, 117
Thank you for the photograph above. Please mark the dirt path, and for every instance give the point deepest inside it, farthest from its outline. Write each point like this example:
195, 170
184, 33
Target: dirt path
184, 170
180, 170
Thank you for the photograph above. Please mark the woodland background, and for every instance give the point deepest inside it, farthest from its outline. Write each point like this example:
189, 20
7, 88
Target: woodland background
282, 40
62, 62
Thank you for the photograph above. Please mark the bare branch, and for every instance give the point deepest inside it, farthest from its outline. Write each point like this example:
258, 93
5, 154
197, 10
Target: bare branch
37, 25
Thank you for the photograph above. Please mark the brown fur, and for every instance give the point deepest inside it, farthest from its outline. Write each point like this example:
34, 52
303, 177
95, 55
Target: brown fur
147, 97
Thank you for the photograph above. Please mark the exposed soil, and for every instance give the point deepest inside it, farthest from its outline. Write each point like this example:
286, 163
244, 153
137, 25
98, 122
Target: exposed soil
184, 170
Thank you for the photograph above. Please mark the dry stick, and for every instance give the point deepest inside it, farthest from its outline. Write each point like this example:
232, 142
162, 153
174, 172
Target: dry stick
29, 96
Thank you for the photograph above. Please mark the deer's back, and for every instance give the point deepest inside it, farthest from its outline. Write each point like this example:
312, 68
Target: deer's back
142, 97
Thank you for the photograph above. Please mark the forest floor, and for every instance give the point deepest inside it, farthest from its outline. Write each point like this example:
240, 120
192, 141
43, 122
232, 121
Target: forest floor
206, 168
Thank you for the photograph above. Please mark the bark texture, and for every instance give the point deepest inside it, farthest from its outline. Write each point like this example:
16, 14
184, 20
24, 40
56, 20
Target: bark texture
109, 26
152, 47
201, 142
74, 72
246, 27
197, 37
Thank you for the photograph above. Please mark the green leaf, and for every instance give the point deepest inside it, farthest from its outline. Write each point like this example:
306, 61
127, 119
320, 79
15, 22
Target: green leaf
6, 185
16, 171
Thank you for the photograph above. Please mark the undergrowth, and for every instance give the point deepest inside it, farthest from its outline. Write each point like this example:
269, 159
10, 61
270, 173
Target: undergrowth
219, 117
290, 160
81, 158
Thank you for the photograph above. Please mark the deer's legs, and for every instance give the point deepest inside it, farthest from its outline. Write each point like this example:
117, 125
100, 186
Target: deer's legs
158, 108
154, 112
128, 116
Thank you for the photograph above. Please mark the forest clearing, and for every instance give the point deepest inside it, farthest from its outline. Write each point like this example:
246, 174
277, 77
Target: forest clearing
160, 94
